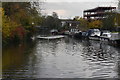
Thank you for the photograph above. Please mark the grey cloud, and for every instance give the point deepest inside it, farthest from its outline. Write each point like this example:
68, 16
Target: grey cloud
75, 8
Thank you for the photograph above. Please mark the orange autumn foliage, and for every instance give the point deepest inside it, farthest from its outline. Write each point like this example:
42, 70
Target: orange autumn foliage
95, 24
20, 32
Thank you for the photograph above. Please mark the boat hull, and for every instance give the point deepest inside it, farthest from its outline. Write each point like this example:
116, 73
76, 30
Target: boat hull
51, 37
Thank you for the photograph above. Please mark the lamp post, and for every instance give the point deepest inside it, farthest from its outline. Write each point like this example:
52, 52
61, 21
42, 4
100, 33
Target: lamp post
32, 23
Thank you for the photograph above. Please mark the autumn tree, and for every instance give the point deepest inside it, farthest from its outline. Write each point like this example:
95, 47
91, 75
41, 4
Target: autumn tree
18, 18
95, 24
117, 19
7, 27
21, 12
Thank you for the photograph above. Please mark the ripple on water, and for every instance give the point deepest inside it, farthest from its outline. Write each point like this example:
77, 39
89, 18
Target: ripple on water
69, 58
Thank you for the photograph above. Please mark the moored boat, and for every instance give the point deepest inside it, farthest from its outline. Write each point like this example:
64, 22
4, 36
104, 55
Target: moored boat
51, 37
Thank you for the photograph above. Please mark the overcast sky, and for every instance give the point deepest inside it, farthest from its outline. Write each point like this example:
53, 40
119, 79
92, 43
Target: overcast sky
81, 0
72, 8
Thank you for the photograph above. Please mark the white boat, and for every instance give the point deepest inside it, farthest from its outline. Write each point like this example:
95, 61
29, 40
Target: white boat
106, 34
51, 37
94, 32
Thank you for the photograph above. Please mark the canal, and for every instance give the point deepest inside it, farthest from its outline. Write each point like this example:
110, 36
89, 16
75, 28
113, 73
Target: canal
62, 58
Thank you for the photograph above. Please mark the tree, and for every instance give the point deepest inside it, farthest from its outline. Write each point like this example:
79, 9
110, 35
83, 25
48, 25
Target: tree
109, 22
8, 26
52, 22
83, 24
118, 17
22, 12
18, 18
95, 24
54, 14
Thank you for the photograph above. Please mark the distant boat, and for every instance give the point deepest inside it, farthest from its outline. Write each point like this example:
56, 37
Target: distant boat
51, 37
54, 31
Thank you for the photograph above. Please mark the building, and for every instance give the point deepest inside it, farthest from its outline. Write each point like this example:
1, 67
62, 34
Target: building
70, 23
98, 12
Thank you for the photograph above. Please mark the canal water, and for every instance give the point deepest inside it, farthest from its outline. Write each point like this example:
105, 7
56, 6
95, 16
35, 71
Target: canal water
62, 58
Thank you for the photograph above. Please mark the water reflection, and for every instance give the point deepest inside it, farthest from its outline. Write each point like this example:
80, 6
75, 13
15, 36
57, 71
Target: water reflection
118, 64
15, 59
63, 58
100, 51
103, 57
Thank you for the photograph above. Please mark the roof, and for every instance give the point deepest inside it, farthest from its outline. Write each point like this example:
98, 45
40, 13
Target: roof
99, 8
66, 19
70, 21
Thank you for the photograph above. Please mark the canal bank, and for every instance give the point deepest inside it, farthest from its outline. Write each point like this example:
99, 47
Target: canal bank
63, 58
